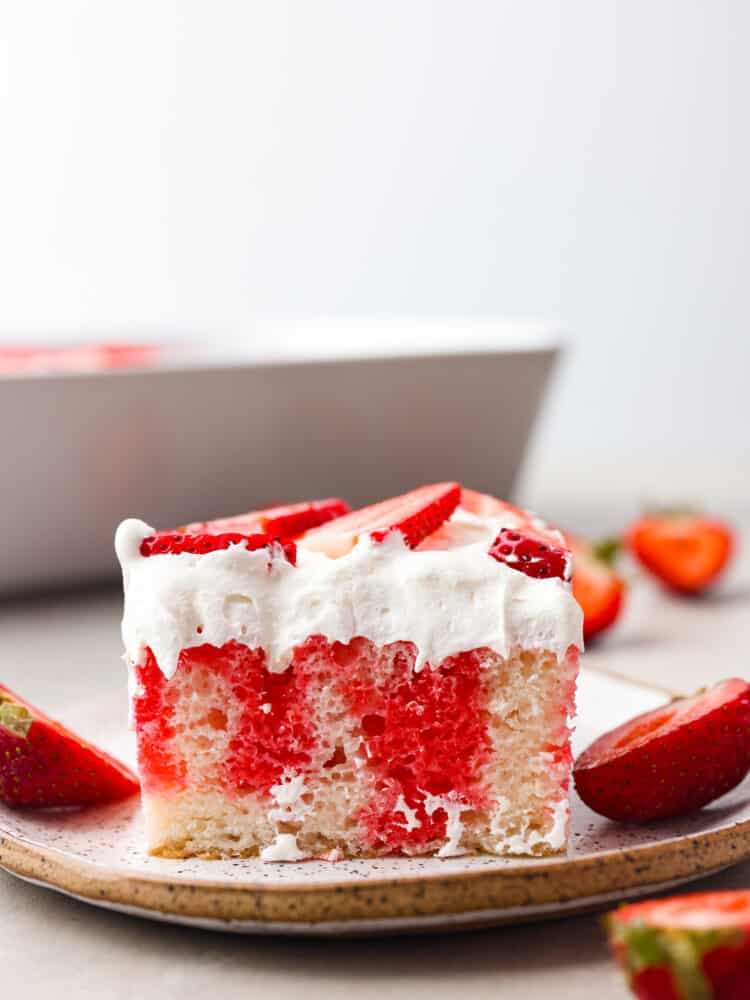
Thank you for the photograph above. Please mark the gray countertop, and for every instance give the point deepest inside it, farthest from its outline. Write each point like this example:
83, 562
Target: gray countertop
56, 648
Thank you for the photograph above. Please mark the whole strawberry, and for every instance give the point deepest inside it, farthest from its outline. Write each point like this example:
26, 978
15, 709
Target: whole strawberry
694, 947
670, 761
687, 552
597, 586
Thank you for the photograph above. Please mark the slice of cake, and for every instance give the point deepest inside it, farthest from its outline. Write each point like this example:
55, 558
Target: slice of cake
310, 682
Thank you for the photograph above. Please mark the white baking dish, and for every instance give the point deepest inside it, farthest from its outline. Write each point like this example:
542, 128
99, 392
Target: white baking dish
354, 408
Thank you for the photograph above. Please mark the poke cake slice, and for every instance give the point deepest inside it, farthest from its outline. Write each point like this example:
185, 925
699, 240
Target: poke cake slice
309, 682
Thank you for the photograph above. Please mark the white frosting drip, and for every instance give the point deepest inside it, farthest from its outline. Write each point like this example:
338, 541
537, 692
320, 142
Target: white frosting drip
287, 795
454, 828
289, 808
409, 814
444, 600
284, 848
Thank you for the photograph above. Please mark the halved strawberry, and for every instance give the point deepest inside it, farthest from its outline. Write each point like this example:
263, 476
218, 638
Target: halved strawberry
199, 543
672, 760
416, 515
531, 554
686, 552
684, 947
44, 764
597, 587
287, 521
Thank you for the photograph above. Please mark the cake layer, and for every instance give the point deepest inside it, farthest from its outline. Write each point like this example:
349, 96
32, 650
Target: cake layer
352, 751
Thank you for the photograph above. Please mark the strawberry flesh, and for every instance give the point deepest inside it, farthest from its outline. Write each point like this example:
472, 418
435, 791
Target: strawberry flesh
199, 543
486, 506
43, 764
287, 521
670, 761
696, 945
255, 530
531, 555
655, 982
415, 515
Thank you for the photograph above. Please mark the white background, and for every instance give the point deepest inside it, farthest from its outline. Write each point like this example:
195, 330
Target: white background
171, 168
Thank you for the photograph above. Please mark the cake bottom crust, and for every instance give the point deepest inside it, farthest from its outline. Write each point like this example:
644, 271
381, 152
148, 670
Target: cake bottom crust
210, 826
360, 782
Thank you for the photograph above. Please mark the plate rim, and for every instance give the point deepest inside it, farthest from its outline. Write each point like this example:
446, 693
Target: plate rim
449, 895
402, 925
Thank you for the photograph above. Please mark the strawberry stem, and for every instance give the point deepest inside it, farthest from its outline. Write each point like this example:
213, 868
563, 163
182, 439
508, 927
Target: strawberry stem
15, 717
607, 550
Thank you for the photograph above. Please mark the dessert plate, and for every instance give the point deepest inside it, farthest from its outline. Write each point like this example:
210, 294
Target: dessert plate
97, 856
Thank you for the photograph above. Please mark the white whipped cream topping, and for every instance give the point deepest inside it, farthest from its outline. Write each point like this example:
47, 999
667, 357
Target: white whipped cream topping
444, 600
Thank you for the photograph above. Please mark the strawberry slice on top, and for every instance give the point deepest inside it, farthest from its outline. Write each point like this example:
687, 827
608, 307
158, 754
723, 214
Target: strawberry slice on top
255, 530
174, 543
524, 543
43, 764
531, 554
485, 505
286, 521
415, 515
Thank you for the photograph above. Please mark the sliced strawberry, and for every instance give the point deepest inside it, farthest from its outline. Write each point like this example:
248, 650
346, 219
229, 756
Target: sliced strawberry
174, 543
525, 543
256, 529
597, 587
453, 535
672, 760
531, 554
488, 507
686, 552
685, 946
485, 505
44, 764
416, 515
276, 522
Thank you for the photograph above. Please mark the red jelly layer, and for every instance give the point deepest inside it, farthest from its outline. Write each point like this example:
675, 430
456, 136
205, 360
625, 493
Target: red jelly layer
153, 712
424, 734
264, 742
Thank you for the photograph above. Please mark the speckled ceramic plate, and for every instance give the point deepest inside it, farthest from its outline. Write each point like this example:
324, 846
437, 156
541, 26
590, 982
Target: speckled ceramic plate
98, 856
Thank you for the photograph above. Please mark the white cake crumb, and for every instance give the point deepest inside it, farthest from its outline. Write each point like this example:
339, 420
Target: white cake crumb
284, 848
409, 814
454, 828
